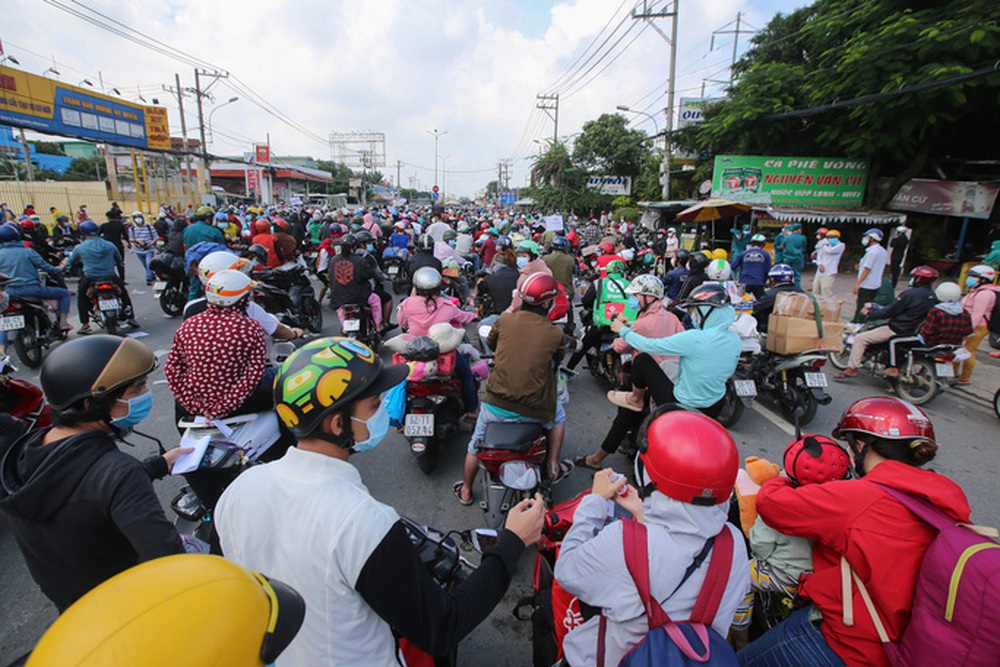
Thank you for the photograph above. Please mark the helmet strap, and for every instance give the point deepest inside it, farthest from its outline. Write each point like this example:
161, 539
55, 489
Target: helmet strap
857, 455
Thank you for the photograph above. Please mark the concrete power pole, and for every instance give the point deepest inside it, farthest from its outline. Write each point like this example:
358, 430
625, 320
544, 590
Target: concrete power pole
206, 179
550, 105
648, 15
736, 32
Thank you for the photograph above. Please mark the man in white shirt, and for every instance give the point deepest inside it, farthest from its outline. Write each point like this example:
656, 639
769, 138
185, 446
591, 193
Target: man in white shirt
828, 253
870, 270
308, 520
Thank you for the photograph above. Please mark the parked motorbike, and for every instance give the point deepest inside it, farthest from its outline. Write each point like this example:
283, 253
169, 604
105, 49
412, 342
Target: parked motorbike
34, 325
287, 293
795, 382
920, 367
172, 282
358, 324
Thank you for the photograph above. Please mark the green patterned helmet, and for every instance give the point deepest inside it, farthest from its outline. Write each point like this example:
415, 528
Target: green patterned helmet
325, 376
615, 267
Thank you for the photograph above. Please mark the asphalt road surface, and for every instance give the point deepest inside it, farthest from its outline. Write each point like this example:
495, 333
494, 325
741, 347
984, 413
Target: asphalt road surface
966, 431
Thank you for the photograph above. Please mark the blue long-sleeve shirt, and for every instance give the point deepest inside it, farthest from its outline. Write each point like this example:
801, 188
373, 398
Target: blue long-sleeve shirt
99, 257
708, 357
23, 264
753, 265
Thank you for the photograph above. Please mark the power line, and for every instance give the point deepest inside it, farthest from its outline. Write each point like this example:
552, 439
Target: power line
594, 41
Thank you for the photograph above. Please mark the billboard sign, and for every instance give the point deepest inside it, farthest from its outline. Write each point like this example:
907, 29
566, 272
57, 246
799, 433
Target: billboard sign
37, 103
962, 199
252, 181
611, 185
262, 153
794, 181
507, 197
692, 109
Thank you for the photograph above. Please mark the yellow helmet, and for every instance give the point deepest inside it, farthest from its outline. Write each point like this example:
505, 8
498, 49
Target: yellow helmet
141, 616
719, 253
833, 232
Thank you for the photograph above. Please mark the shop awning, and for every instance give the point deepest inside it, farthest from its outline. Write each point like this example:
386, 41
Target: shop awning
837, 216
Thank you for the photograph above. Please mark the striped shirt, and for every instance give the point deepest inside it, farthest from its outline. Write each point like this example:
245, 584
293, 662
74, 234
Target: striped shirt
144, 235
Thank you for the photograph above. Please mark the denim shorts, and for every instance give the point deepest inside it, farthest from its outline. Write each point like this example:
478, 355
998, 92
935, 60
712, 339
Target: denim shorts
487, 416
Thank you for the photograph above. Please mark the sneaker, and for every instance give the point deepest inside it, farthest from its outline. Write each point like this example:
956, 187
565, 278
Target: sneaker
84, 329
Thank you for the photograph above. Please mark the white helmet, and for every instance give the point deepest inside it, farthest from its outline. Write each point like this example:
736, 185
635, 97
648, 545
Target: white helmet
221, 260
983, 272
228, 287
948, 292
718, 270
646, 284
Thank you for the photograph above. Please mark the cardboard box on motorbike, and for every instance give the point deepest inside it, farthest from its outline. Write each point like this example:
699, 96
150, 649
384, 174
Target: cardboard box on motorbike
793, 326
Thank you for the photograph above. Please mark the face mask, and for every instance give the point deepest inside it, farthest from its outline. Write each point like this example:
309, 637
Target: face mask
833, 240
452, 243
522, 262
633, 303
377, 425
138, 409
913, 282
370, 247
972, 281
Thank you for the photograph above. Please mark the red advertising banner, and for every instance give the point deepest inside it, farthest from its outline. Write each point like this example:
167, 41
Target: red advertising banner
262, 153
963, 199
253, 182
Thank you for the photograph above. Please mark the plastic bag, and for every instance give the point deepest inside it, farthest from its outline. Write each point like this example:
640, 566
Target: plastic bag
395, 404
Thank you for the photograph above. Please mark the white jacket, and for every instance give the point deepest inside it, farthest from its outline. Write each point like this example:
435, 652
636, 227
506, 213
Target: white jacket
592, 567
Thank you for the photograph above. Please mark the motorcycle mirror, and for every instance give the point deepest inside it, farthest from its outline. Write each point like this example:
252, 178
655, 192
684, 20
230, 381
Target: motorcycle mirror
483, 539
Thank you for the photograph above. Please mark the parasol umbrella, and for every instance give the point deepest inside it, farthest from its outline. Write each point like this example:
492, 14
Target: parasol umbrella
712, 209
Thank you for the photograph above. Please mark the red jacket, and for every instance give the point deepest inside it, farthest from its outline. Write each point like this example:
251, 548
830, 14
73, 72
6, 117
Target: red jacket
268, 241
882, 540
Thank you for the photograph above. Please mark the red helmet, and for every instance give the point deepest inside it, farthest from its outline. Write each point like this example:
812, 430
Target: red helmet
885, 417
607, 247
539, 289
689, 457
924, 275
814, 459
27, 224
281, 224
822, 231
262, 227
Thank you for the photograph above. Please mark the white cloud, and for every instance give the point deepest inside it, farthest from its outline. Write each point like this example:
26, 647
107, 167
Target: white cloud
402, 68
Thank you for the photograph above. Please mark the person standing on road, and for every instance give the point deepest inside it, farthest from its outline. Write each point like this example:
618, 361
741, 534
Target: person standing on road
898, 245
308, 520
142, 239
979, 303
794, 254
827, 263
100, 260
113, 231
870, 270
82, 510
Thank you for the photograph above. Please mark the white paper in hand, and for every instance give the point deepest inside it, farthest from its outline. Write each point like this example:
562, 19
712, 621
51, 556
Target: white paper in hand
189, 462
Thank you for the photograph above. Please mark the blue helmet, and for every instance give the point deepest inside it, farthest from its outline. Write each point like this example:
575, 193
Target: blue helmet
9, 232
781, 273
875, 234
558, 243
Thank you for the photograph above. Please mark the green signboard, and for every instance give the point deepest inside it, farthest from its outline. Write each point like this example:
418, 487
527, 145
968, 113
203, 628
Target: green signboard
794, 181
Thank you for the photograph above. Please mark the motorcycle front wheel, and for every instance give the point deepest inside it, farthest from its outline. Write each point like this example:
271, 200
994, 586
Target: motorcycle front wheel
919, 385
839, 359
28, 344
173, 299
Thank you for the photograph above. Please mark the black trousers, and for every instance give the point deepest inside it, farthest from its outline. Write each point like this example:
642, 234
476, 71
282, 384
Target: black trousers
646, 374
591, 339
83, 301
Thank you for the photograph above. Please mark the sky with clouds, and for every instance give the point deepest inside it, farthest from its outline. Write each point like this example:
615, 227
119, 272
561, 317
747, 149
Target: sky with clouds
470, 68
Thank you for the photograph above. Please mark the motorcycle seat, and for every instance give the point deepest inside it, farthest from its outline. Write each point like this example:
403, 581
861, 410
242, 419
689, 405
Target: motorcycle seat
935, 349
28, 299
510, 436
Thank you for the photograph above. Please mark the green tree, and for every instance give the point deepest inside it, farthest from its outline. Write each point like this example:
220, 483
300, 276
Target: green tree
608, 147
867, 53
341, 173
86, 169
559, 184
48, 148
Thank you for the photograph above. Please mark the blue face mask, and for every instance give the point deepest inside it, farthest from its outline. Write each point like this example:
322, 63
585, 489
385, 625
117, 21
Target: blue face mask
972, 281
522, 262
833, 240
452, 243
371, 248
138, 409
633, 303
377, 425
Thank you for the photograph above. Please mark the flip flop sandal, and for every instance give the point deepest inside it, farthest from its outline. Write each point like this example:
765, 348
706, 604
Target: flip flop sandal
565, 468
581, 462
457, 490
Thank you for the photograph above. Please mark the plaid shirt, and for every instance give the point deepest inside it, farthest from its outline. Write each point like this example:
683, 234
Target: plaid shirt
941, 328
591, 235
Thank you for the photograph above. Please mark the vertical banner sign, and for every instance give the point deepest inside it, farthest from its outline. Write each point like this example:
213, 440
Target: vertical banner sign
37, 103
262, 153
794, 181
253, 183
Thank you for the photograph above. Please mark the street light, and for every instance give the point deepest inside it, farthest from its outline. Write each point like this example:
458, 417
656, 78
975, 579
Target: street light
436, 134
211, 138
87, 82
51, 70
656, 126
5, 58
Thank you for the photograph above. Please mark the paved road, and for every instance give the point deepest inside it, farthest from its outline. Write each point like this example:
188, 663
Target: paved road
965, 429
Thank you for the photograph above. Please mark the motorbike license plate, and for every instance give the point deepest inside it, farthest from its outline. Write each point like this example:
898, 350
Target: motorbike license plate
745, 388
393, 270
352, 326
108, 304
418, 425
815, 380
11, 322
944, 370
159, 286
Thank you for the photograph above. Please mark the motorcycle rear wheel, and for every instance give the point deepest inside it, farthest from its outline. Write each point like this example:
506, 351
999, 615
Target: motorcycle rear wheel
312, 314
803, 399
994, 340
922, 386
996, 403
839, 359
28, 344
172, 300
110, 321
732, 407
428, 461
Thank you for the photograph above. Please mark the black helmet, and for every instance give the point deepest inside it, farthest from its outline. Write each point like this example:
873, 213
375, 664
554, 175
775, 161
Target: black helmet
697, 262
348, 242
504, 242
682, 256
325, 376
363, 236
425, 242
92, 368
258, 252
704, 299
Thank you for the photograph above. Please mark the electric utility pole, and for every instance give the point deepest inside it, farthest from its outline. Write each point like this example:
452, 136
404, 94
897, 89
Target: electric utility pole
206, 179
736, 32
184, 144
647, 14
550, 105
